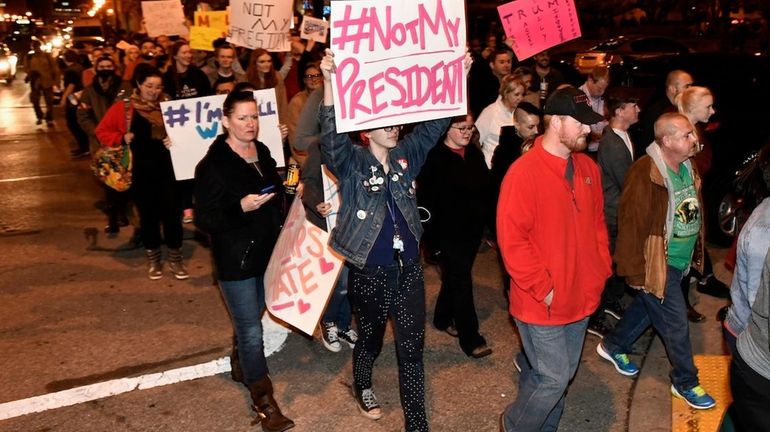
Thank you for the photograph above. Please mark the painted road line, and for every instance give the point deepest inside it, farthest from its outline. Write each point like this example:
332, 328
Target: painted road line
111, 388
273, 336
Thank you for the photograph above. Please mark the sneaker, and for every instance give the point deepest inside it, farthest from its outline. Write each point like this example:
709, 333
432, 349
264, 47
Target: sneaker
622, 364
329, 336
187, 217
614, 309
696, 397
348, 336
599, 328
367, 404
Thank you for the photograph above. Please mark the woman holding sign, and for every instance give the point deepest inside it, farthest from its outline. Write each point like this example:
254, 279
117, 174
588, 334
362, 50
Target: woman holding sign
235, 186
378, 230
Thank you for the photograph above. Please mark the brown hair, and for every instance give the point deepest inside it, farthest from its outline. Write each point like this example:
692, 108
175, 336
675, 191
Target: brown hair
270, 80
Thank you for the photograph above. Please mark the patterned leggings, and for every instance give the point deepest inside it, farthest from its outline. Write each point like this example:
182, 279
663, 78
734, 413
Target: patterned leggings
379, 292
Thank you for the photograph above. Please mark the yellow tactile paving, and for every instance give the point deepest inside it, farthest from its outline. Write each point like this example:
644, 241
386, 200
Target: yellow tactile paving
714, 375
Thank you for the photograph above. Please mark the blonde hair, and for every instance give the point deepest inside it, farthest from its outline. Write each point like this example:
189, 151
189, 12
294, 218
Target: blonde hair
691, 98
509, 83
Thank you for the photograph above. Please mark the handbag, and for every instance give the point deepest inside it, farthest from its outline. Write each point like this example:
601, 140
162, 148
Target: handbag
112, 166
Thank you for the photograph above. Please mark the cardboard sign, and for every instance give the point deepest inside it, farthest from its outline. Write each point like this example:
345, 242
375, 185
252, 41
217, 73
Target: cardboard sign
202, 38
302, 271
219, 20
314, 28
536, 25
397, 62
164, 17
261, 24
193, 124
331, 196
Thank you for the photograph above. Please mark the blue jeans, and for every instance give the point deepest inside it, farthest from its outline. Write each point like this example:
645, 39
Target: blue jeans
669, 318
377, 293
338, 308
245, 300
554, 354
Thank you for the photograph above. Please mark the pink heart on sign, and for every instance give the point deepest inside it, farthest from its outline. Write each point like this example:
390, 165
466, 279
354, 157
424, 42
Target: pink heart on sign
302, 306
326, 266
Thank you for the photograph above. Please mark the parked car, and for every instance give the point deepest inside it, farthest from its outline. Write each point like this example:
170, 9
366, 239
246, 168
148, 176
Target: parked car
8, 63
623, 48
740, 127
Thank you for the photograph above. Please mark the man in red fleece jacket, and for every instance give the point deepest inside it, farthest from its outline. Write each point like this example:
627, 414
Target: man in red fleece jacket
552, 235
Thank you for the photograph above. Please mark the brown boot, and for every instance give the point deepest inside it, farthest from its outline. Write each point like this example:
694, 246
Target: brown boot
176, 265
236, 373
272, 418
154, 266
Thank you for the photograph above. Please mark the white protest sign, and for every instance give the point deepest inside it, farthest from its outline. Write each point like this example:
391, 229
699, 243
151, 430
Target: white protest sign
164, 17
302, 271
314, 28
261, 24
331, 196
193, 124
398, 61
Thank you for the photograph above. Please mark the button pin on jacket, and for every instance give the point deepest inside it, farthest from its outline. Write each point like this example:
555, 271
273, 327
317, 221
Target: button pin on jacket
588, 180
361, 214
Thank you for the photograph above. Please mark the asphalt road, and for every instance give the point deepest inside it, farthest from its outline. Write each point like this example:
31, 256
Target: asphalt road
77, 309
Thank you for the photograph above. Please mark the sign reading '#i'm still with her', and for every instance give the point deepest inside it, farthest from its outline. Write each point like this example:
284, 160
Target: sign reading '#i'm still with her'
536, 25
399, 61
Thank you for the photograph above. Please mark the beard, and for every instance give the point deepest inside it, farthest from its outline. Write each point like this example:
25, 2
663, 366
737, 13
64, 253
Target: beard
576, 143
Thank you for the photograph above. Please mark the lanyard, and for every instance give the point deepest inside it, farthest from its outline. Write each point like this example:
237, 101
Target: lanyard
398, 242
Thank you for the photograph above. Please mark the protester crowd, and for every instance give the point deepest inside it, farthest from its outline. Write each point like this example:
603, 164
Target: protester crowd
593, 202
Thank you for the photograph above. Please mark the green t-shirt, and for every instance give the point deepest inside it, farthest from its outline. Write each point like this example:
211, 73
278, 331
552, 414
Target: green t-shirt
687, 219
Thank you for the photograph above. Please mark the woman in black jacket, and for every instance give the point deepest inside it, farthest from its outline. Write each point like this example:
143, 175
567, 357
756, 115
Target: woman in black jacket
235, 197
454, 187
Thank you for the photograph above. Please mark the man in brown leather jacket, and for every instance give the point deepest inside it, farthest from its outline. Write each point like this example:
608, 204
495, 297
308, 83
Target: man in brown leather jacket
660, 234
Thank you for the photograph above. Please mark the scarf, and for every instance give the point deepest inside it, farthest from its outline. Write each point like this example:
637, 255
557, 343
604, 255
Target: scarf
150, 110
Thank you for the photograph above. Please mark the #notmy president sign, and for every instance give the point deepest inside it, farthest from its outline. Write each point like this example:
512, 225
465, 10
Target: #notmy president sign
399, 61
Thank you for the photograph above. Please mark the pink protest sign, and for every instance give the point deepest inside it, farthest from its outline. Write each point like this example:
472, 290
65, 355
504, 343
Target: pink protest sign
536, 25
301, 273
398, 61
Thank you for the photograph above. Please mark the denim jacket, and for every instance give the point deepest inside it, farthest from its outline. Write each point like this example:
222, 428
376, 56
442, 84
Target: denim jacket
753, 243
362, 181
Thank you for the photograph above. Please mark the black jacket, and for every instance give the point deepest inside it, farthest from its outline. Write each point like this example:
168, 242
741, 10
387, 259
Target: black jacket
240, 242
455, 190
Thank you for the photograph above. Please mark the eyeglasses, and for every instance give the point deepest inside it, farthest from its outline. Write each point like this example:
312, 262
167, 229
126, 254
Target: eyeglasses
464, 129
392, 128
313, 76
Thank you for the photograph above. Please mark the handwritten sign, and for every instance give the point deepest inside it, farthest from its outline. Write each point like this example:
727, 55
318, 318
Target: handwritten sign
331, 196
193, 124
261, 24
202, 38
213, 19
164, 17
314, 28
536, 25
397, 61
302, 271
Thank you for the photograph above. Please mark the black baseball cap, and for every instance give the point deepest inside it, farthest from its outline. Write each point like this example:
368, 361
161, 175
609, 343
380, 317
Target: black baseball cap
572, 102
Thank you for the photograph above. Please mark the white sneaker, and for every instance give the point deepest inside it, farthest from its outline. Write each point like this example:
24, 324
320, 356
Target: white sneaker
329, 336
348, 336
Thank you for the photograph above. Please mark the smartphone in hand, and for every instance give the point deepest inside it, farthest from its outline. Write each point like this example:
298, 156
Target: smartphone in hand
267, 189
